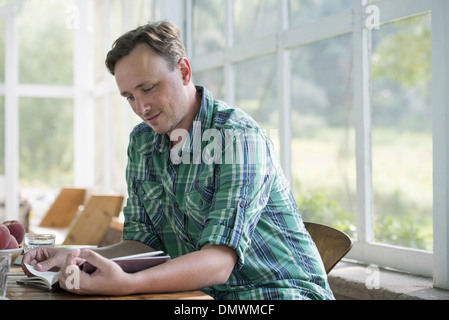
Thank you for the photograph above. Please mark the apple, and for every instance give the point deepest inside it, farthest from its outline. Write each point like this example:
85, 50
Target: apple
5, 237
16, 229
12, 243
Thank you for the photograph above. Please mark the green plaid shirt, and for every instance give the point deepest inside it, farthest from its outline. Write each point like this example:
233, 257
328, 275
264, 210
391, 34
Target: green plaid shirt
223, 187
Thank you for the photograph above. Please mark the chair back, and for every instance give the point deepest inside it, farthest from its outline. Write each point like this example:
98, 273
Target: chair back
93, 222
64, 208
332, 243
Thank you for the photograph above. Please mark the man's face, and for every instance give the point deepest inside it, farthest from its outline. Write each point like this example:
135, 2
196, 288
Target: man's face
156, 94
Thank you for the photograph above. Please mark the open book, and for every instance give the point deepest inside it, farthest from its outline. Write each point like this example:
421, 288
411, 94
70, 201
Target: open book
48, 280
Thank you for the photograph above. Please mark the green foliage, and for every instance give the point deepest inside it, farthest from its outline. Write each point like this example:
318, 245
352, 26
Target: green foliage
45, 43
411, 42
399, 231
318, 207
46, 141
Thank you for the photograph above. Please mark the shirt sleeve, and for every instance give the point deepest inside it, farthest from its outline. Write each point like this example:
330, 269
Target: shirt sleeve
242, 192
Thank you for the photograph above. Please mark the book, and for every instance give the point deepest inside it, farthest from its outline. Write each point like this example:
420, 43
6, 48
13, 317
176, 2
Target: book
48, 280
132, 263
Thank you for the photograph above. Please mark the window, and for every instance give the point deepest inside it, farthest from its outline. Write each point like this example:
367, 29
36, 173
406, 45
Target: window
348, 86
323, 141
402, 133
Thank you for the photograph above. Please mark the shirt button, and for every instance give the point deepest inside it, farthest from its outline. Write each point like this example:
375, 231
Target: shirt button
201, 202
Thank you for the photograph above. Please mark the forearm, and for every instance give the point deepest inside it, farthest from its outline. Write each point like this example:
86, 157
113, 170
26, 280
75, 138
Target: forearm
210, 266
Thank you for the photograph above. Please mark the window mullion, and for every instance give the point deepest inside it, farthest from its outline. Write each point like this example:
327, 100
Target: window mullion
229, 73
440, 101
284, 89
362, 111
11, 117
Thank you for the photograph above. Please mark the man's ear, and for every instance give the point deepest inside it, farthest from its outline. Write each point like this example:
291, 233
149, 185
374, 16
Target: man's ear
186, 71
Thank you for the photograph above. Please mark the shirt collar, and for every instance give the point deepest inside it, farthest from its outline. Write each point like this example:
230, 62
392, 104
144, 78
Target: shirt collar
203, 121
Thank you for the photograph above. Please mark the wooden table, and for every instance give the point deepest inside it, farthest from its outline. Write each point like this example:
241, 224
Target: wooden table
17, 291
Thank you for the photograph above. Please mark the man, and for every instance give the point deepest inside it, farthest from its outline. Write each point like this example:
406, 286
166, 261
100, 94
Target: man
204, 186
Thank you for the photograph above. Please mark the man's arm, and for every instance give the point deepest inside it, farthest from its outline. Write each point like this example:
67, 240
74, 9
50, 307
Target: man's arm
210, 266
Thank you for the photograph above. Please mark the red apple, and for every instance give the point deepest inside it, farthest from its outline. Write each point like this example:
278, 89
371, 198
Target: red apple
5, 236
17, 229
12, 243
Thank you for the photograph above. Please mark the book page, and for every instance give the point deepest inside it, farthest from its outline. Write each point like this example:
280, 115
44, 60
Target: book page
47, 275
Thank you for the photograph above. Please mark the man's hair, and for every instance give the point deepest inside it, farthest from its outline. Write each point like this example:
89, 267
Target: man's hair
163, 37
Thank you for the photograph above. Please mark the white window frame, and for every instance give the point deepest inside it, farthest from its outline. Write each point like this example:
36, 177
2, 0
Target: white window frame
9, 91
433, 264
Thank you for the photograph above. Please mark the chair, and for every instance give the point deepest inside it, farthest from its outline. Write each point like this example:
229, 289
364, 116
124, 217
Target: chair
332, 244
93, 222
113, 234
64, 208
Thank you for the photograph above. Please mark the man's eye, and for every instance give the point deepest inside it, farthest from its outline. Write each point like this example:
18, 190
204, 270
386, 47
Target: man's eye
148, 90
130, 98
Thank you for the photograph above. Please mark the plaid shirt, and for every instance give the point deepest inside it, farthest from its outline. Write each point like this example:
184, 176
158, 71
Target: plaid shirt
223, 187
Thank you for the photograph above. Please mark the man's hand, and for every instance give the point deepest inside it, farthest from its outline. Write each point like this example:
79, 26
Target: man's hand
45, 258
107, 279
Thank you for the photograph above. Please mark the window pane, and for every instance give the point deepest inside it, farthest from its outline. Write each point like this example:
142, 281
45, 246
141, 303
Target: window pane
254, 19
2, 98
46, 142
208, 26
45, 42
142, 11
323, 144
2, 135
2, 49
305, 11
256, 93
99, 37
99, 141
212, 80
116, 17
121, 120
402, 133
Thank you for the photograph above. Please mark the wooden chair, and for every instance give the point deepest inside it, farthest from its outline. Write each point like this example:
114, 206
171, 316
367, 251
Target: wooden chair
114, 233
64, 208
332, 244
93, 222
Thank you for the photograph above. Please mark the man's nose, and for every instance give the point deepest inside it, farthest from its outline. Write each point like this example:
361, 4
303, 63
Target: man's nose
142, 106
